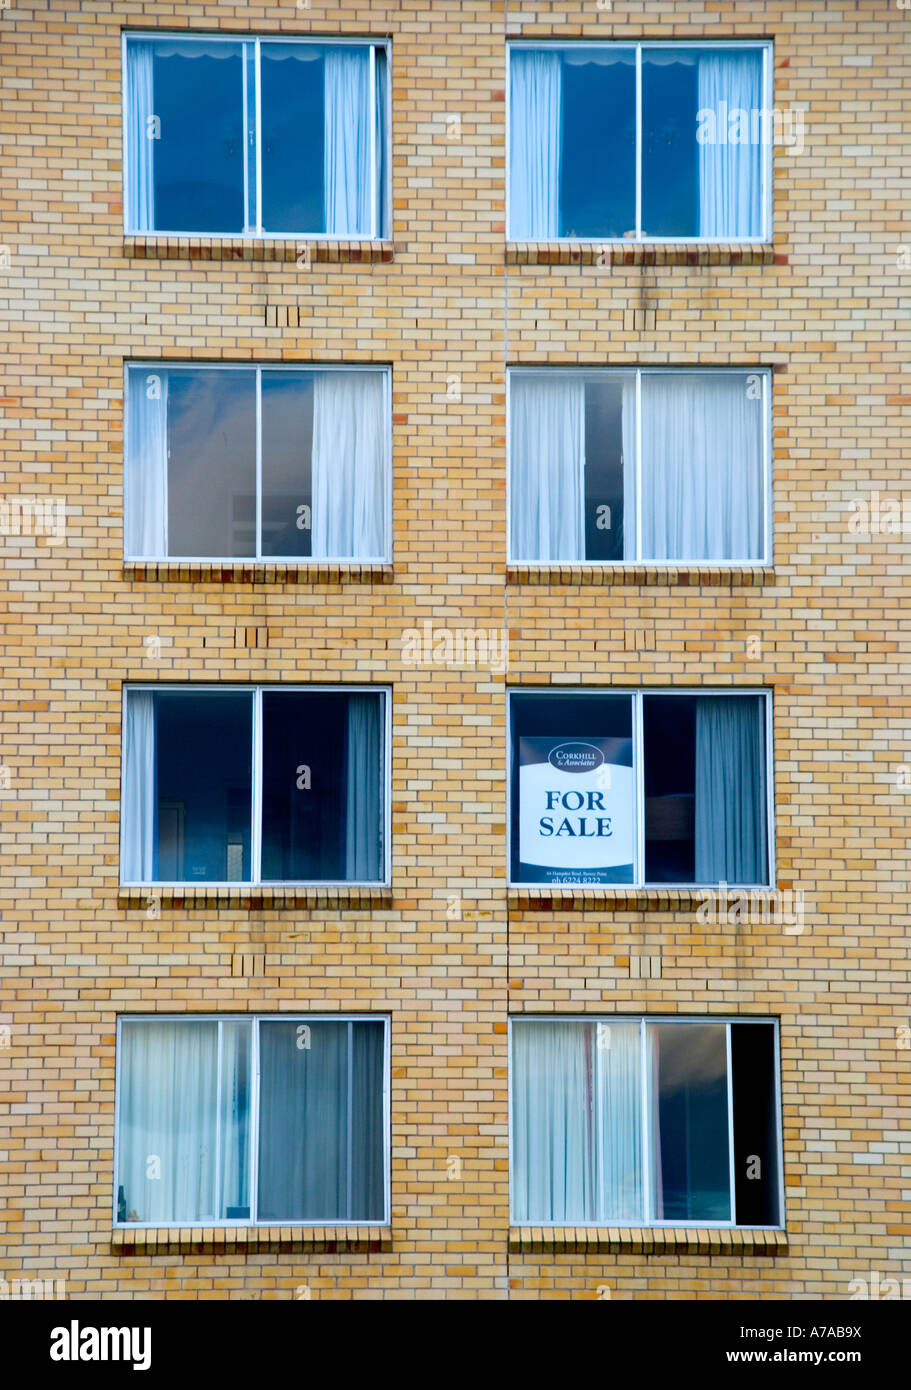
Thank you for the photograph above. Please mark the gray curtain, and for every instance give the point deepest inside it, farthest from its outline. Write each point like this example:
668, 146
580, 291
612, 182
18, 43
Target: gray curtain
365, 793
731, 836
312, 1166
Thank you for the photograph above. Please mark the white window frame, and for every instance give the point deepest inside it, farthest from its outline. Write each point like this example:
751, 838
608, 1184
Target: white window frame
637, 694
297, 561
250, 52
257, 691
647, 1137
766, 161
637, 373
255, 1019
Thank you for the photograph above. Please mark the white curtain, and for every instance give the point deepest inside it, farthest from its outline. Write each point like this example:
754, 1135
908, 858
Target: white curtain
552, 1150
730, 813
137, 814
628, 446
535, 144
348, 461
146, 465
347, 142
730, 200
547, 461
701, 468
365, 802
168, 1105
140, 146
618, 1073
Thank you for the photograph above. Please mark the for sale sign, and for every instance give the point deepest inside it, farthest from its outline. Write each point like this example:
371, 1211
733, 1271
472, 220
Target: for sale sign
577, 814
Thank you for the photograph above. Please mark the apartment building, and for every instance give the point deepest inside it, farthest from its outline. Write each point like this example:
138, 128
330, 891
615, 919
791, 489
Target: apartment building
454, 771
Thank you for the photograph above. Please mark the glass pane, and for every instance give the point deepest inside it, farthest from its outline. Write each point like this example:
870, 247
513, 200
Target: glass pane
573, 797
598, 164
234, 1118
203, 776
702, 137
730, 832
669, 754
368, 1197
323, 787
690, 1176
610, 442
303, 1129
756, 1162
198, 156
576, 1098
703, 494
293, 121
212, 464
287, 425
167, 1122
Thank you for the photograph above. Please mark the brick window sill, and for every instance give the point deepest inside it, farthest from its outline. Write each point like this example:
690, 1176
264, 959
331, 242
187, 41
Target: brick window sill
557, 899
178, 248
191, 1239
645, 1240
640, 253
256, 896
660, 575
243, 572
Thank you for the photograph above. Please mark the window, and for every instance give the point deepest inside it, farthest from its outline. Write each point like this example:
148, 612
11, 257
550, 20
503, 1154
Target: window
255, 137
650, 141
611, 787
240, 784
663, 466
645, 1122
257, 463
239, 1119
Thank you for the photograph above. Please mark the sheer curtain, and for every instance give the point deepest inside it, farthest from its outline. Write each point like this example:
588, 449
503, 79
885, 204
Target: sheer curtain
348, 462
146, 465
167, 1128
619, 1102
653, 1079
382, 229
701, 468
552, 1150
535, 144
628, 446
365, 800
140, 179
138, 812
730, 813
547, 461
346, 150
303, 1135
730, 198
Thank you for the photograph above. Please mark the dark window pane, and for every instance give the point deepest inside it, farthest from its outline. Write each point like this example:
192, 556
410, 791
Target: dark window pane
323, 794
756, 1174
598, 165
212, 464
690, 1168
669, 752
198, 160
203, 753
573, 802
292, 137
670, 167
313, 1166
605, 509
287, 427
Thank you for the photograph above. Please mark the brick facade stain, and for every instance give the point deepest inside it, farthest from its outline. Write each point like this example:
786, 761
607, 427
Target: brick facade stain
448, 307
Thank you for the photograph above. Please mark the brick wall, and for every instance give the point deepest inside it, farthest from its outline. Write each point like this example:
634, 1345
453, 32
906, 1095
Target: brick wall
449, 310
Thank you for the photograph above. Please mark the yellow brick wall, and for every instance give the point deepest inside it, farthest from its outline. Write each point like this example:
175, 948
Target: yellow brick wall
447, 305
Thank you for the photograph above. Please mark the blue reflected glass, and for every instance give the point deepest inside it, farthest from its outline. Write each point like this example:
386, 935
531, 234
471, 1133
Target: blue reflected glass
598, 163
293, 121
198, 157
